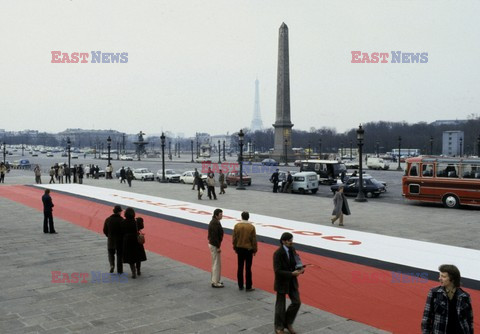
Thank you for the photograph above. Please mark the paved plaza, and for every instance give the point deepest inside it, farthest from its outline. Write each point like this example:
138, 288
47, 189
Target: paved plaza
171, 297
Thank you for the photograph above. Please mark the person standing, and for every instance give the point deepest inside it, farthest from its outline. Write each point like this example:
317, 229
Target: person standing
47, 212
113, 230
274, 180
141, 249
74, 172
195, 176
60, 174
131, 251
211, 186
129, 175
38, 174
80, 174
221, 180
215, 238
289, 180
200, 187
340, 206
448, 308
123, 175
66, 170
244, 241
286, 273
52, 175
3, 170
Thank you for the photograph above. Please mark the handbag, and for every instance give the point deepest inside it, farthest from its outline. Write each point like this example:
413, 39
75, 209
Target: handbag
140, 236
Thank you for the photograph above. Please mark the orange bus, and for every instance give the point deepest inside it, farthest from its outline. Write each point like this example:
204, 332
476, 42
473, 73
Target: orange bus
451, 181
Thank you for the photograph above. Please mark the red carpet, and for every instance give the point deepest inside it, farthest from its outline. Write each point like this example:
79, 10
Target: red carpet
358, 292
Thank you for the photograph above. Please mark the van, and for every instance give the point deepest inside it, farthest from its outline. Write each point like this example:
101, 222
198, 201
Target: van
377, 163
304, 182
328, 170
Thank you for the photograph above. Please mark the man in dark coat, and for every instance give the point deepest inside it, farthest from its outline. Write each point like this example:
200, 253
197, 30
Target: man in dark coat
112, 228
47, 213
215, 238
274, 180
287, 267
123, 175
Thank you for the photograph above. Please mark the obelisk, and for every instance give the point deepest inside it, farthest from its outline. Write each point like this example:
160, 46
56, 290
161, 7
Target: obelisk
283, 125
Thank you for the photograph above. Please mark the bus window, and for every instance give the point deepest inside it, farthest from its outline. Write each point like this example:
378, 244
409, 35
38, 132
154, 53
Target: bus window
427, 170
447, 170
471, 171
414, 170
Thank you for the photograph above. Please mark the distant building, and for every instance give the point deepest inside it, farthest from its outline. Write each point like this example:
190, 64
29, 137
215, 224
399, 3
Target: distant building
449, 122
453, 143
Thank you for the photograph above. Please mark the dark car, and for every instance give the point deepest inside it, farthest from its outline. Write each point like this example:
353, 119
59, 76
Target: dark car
269, 162
234, 178
371, 187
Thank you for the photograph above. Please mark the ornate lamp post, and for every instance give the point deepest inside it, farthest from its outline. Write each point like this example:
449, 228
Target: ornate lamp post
162, 138
461, 143
191, 145
399, 150
170, 150
361, 195
240, 143
351, 148
109, 145
309, 149
224, 151
378, 148
23, 148
5, 151
431, 145
69, 145
341, 150
219, 153
118, 150
320, 149
286, 158
478, 147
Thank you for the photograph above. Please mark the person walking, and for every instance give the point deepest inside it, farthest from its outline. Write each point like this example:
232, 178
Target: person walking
200, 187
52, 175
131, 249
340, 206
3, 170
141, 249
60, 174
123, 175
448, 308
48, 213
211, 186
129, 175
195, 176
244, 241
274, 180
74, 172
221, 180
80, 174
113, 230
67, 172
286, 272
215, 238
38, 174
289, 183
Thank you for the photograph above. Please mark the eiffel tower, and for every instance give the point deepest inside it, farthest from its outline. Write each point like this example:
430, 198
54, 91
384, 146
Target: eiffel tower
257, 123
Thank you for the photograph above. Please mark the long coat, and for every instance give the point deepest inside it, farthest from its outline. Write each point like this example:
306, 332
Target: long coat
132, 251
113, 229
283, 269
340, 204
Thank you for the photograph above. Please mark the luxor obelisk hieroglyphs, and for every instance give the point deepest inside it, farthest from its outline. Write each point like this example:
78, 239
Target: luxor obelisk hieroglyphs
283, 125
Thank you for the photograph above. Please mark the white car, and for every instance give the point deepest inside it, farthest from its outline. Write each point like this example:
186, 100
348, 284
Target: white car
50, 154
143, 174
74, 156
170, 175
188, 177
126, 158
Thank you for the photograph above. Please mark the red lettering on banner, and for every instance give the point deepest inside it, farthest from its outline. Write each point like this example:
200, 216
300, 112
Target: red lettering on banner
335, 237
307, 233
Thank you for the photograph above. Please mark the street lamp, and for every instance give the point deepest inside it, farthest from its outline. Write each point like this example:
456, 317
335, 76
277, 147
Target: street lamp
399, 149
191, 145
286, 158
341, 150
219, 153
162, 138
431, 145
240, 142
5, 151
378, 148
478, 147
461, 142
224, 151
320, 149
309, 149
69, 145
170, 150
109, 145
361, 195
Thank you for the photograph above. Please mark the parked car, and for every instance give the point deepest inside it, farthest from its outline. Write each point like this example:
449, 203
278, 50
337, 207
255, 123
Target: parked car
377, 163
74, 156
188, 177
269, 162
104, 157
352, 164
170, 175
126, 158
143, 174
20, 164
371, 187
49, 154
234, 178
304, 182
117, 173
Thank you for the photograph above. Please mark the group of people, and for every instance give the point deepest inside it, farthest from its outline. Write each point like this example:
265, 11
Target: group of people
286, 185
62, 173
123, 240
287, 266
126, 175
198, 182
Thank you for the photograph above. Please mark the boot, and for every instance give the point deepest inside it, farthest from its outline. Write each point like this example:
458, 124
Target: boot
138, 269
132, 268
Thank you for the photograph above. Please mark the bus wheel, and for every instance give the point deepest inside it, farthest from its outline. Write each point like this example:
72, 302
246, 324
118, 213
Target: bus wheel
451, 201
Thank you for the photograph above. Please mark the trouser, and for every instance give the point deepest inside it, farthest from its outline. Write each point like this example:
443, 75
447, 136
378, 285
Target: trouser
60, 179
68, 179
38, 179
48, 222
244, 257
2, 178
211, 191
52, 180
275, 186
129, 182
111, 259
340, 218
222, 188
216, 264
282, 317
80, 180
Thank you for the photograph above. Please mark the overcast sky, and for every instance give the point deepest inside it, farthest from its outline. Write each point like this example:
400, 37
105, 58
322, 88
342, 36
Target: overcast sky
192, 64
